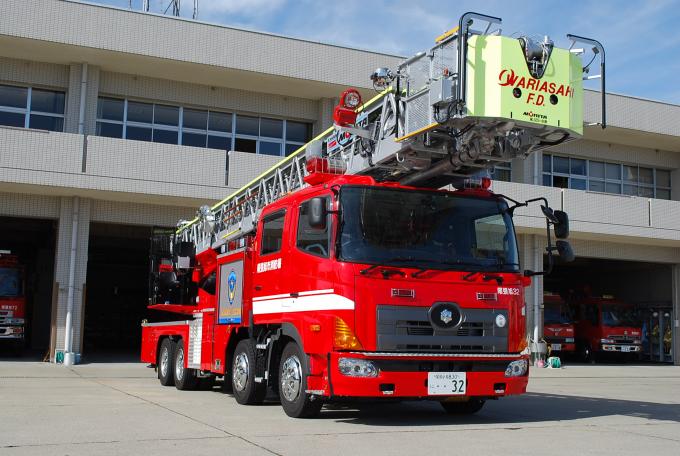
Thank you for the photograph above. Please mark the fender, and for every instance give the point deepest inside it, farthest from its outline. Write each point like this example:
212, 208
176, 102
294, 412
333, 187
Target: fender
289, 329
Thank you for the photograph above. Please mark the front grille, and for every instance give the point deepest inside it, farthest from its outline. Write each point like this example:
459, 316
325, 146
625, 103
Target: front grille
424, 328
409, 328
556, 340
623, 339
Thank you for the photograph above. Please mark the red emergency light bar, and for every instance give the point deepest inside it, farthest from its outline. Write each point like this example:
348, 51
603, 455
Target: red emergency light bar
345, 113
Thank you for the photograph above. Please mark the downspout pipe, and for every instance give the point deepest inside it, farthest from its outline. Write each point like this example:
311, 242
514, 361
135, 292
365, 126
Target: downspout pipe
83, 95
69, 356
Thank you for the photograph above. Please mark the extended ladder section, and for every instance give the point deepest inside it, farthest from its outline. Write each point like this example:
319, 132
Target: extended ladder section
475, 100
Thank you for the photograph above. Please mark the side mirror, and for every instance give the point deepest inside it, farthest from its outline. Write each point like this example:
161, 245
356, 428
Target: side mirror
562, 225
565, 251
549, 214
318, 213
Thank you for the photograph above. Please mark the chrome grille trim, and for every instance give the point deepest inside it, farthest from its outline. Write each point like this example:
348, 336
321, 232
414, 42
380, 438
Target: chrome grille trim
441, 355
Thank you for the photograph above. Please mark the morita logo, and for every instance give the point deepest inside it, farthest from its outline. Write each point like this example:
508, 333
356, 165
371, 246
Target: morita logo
509, 78
536, 117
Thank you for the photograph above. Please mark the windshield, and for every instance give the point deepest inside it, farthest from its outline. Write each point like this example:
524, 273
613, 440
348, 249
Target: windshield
619, 316
10, 283
555, 314
425, 229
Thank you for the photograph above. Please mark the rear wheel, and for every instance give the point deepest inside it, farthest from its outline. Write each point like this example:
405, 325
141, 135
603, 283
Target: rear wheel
185, 378
293, 384
470, 407
166, 358
243, 371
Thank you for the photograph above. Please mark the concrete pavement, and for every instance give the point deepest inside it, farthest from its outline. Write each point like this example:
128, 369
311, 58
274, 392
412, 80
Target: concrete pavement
120, 408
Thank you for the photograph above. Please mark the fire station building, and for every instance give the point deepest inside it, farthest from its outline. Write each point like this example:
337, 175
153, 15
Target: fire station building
113, 122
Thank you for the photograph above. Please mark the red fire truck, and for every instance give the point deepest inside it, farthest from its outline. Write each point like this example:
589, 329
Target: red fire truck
12, 300
345, 272
606, 326
558, 326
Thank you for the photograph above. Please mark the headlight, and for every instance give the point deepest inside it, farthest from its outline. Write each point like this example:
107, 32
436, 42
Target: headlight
501, 320
353, 367
607, 341
569, 340
15, 321
517, 368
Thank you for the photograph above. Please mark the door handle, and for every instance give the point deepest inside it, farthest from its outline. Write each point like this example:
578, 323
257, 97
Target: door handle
258, 287
295, 295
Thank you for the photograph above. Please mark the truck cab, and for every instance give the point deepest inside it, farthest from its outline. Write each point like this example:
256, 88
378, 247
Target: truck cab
12, 301
558, 325
606, 326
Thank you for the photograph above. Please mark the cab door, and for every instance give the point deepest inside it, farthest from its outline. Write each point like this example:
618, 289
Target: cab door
271, 290
311, 250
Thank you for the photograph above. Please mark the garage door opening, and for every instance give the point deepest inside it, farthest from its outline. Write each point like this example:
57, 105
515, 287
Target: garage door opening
633, 296
31, 244
116, 292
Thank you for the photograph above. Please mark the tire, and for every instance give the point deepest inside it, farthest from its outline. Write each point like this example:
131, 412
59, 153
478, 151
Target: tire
292, 380
166, 360
470, 407
587, 355
185, 378
243, 372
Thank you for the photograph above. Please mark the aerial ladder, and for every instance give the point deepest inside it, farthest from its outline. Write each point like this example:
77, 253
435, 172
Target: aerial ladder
475, 100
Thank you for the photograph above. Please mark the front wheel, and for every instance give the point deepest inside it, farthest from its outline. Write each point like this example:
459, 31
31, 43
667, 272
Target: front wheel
293, 384
472, 406
587, 355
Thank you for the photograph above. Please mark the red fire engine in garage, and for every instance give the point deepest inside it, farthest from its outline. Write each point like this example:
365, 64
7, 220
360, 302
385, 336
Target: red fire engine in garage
606, 326
558, 325
346, 272
12, 300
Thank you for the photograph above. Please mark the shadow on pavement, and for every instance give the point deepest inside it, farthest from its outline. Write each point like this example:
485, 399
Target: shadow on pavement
531, 408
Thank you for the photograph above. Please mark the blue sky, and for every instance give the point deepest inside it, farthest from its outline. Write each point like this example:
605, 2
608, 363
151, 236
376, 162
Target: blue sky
641, 38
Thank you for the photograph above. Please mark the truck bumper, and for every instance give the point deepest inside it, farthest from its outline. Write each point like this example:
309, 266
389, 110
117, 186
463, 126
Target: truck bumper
406, 376
621, 348
564, 348
12, 332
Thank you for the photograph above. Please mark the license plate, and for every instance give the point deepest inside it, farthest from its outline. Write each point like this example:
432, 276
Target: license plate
555, 347
625, 349
446, 383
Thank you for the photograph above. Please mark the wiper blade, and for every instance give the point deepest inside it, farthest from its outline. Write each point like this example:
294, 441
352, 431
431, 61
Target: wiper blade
386, 264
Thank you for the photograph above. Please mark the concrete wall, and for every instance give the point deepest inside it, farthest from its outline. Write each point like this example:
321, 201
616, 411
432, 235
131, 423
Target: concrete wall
34, 73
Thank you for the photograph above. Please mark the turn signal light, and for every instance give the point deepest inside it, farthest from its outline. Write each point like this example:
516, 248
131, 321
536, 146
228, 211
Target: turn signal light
523, 345
344, 337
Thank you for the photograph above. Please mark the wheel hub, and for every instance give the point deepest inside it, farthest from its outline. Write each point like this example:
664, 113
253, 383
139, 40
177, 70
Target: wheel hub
179, 365
291, 378
240, 372
165, 361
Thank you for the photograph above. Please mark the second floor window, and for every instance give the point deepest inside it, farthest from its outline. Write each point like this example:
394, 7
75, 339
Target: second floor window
607, 177
28, 107
502, 172
156, 122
